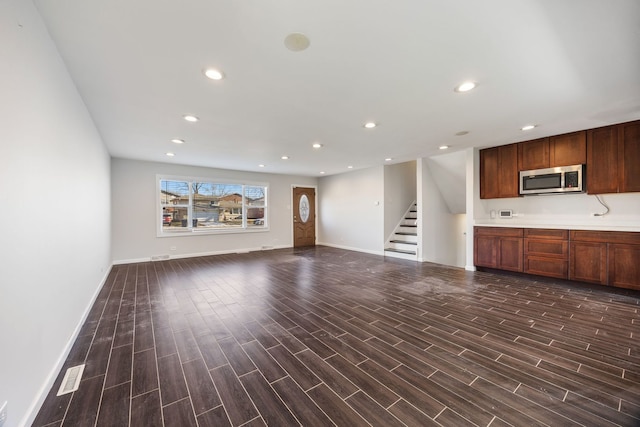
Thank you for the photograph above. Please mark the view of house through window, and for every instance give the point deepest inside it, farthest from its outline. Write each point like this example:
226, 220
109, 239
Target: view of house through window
195, 205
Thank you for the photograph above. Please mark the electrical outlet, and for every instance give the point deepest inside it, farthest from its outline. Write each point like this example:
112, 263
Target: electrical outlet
3, 413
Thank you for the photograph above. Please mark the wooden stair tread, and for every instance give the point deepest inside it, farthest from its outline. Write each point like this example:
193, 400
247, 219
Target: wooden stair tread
405, 233
404, 242
400, 251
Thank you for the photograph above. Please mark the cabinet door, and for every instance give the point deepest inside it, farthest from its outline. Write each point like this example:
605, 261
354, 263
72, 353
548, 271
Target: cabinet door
602, 160
629, 156
569, 149
624, 266
508, 170
484, 251
499, 172
489, 166
510, 253
533, 154
588, 262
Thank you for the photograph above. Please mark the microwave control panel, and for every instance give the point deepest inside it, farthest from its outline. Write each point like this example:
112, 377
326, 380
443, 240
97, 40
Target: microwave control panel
571, 179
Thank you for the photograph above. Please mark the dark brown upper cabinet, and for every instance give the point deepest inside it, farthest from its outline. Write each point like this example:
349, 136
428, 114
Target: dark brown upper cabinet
533, 154
629, 156
568, 149
499, 172
613, 159
560, 150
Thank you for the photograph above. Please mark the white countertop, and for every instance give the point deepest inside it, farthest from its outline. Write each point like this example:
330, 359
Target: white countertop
518, 223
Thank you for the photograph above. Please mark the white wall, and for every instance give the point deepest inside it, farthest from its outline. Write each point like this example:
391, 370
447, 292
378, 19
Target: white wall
448, 170
399, 193
54, 183
133, 185
472, 184
351, 210
438, 235
572, 210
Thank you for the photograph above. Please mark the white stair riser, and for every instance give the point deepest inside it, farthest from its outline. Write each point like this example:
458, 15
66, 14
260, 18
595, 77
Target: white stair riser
405, 238
409, 222
403, 246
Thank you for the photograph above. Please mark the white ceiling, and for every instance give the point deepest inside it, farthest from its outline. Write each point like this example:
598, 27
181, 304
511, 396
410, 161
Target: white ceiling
563, 65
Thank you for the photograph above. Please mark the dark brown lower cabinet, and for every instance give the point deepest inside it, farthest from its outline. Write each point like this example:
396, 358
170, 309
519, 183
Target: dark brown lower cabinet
603, 257
498, 247
624, 266
606, 257
589, 262
546, 252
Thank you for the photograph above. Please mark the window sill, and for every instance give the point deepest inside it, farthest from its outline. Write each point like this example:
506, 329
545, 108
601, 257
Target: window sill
205, 232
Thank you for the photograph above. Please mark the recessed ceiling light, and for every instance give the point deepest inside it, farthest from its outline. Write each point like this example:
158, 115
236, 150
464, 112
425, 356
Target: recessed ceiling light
321, 172
170, 154
317, 145
443, 147
462, 133
465, 87
349, 167
191, 118
260, 166
214, 74
528, 127
285, 157
177, 141
296, 42
388, 159
370, 125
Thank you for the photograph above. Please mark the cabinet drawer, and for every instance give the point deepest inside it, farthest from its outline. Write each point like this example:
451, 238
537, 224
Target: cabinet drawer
547, 233
555, 248
550, 267
498, 231
622, 237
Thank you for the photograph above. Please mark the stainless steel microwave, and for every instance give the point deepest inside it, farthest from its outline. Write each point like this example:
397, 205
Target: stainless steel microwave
562, 180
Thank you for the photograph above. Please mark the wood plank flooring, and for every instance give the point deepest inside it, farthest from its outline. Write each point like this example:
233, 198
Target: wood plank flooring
321, 336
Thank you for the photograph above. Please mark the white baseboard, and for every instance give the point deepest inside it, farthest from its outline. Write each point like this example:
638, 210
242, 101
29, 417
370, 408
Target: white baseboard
349, 248
470, 267
200, 254
33, 410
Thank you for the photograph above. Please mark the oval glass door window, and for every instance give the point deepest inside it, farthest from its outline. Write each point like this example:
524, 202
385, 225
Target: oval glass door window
304, 208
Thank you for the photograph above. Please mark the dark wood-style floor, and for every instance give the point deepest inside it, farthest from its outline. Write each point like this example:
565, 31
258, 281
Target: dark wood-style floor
323, 336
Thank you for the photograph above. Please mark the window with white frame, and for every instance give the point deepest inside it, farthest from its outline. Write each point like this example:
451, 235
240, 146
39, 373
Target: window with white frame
201, 205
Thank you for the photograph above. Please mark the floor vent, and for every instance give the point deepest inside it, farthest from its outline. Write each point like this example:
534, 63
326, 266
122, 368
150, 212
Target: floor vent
71, 380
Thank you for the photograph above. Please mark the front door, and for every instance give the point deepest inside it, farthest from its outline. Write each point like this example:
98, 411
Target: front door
304, 216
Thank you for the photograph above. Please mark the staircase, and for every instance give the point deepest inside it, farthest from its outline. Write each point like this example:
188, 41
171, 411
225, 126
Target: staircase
403, 242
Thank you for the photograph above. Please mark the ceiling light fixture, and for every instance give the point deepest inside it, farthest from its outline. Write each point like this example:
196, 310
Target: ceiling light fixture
321, 172
349, 167
177, 141
388, 159
170, 154
317, 145
190, 118
528, 127
260, 166
370, 125
465, 87
214, 74
443, 147
285, 157
296, 42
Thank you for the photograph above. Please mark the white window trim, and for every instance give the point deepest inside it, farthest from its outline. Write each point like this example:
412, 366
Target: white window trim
190, 231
